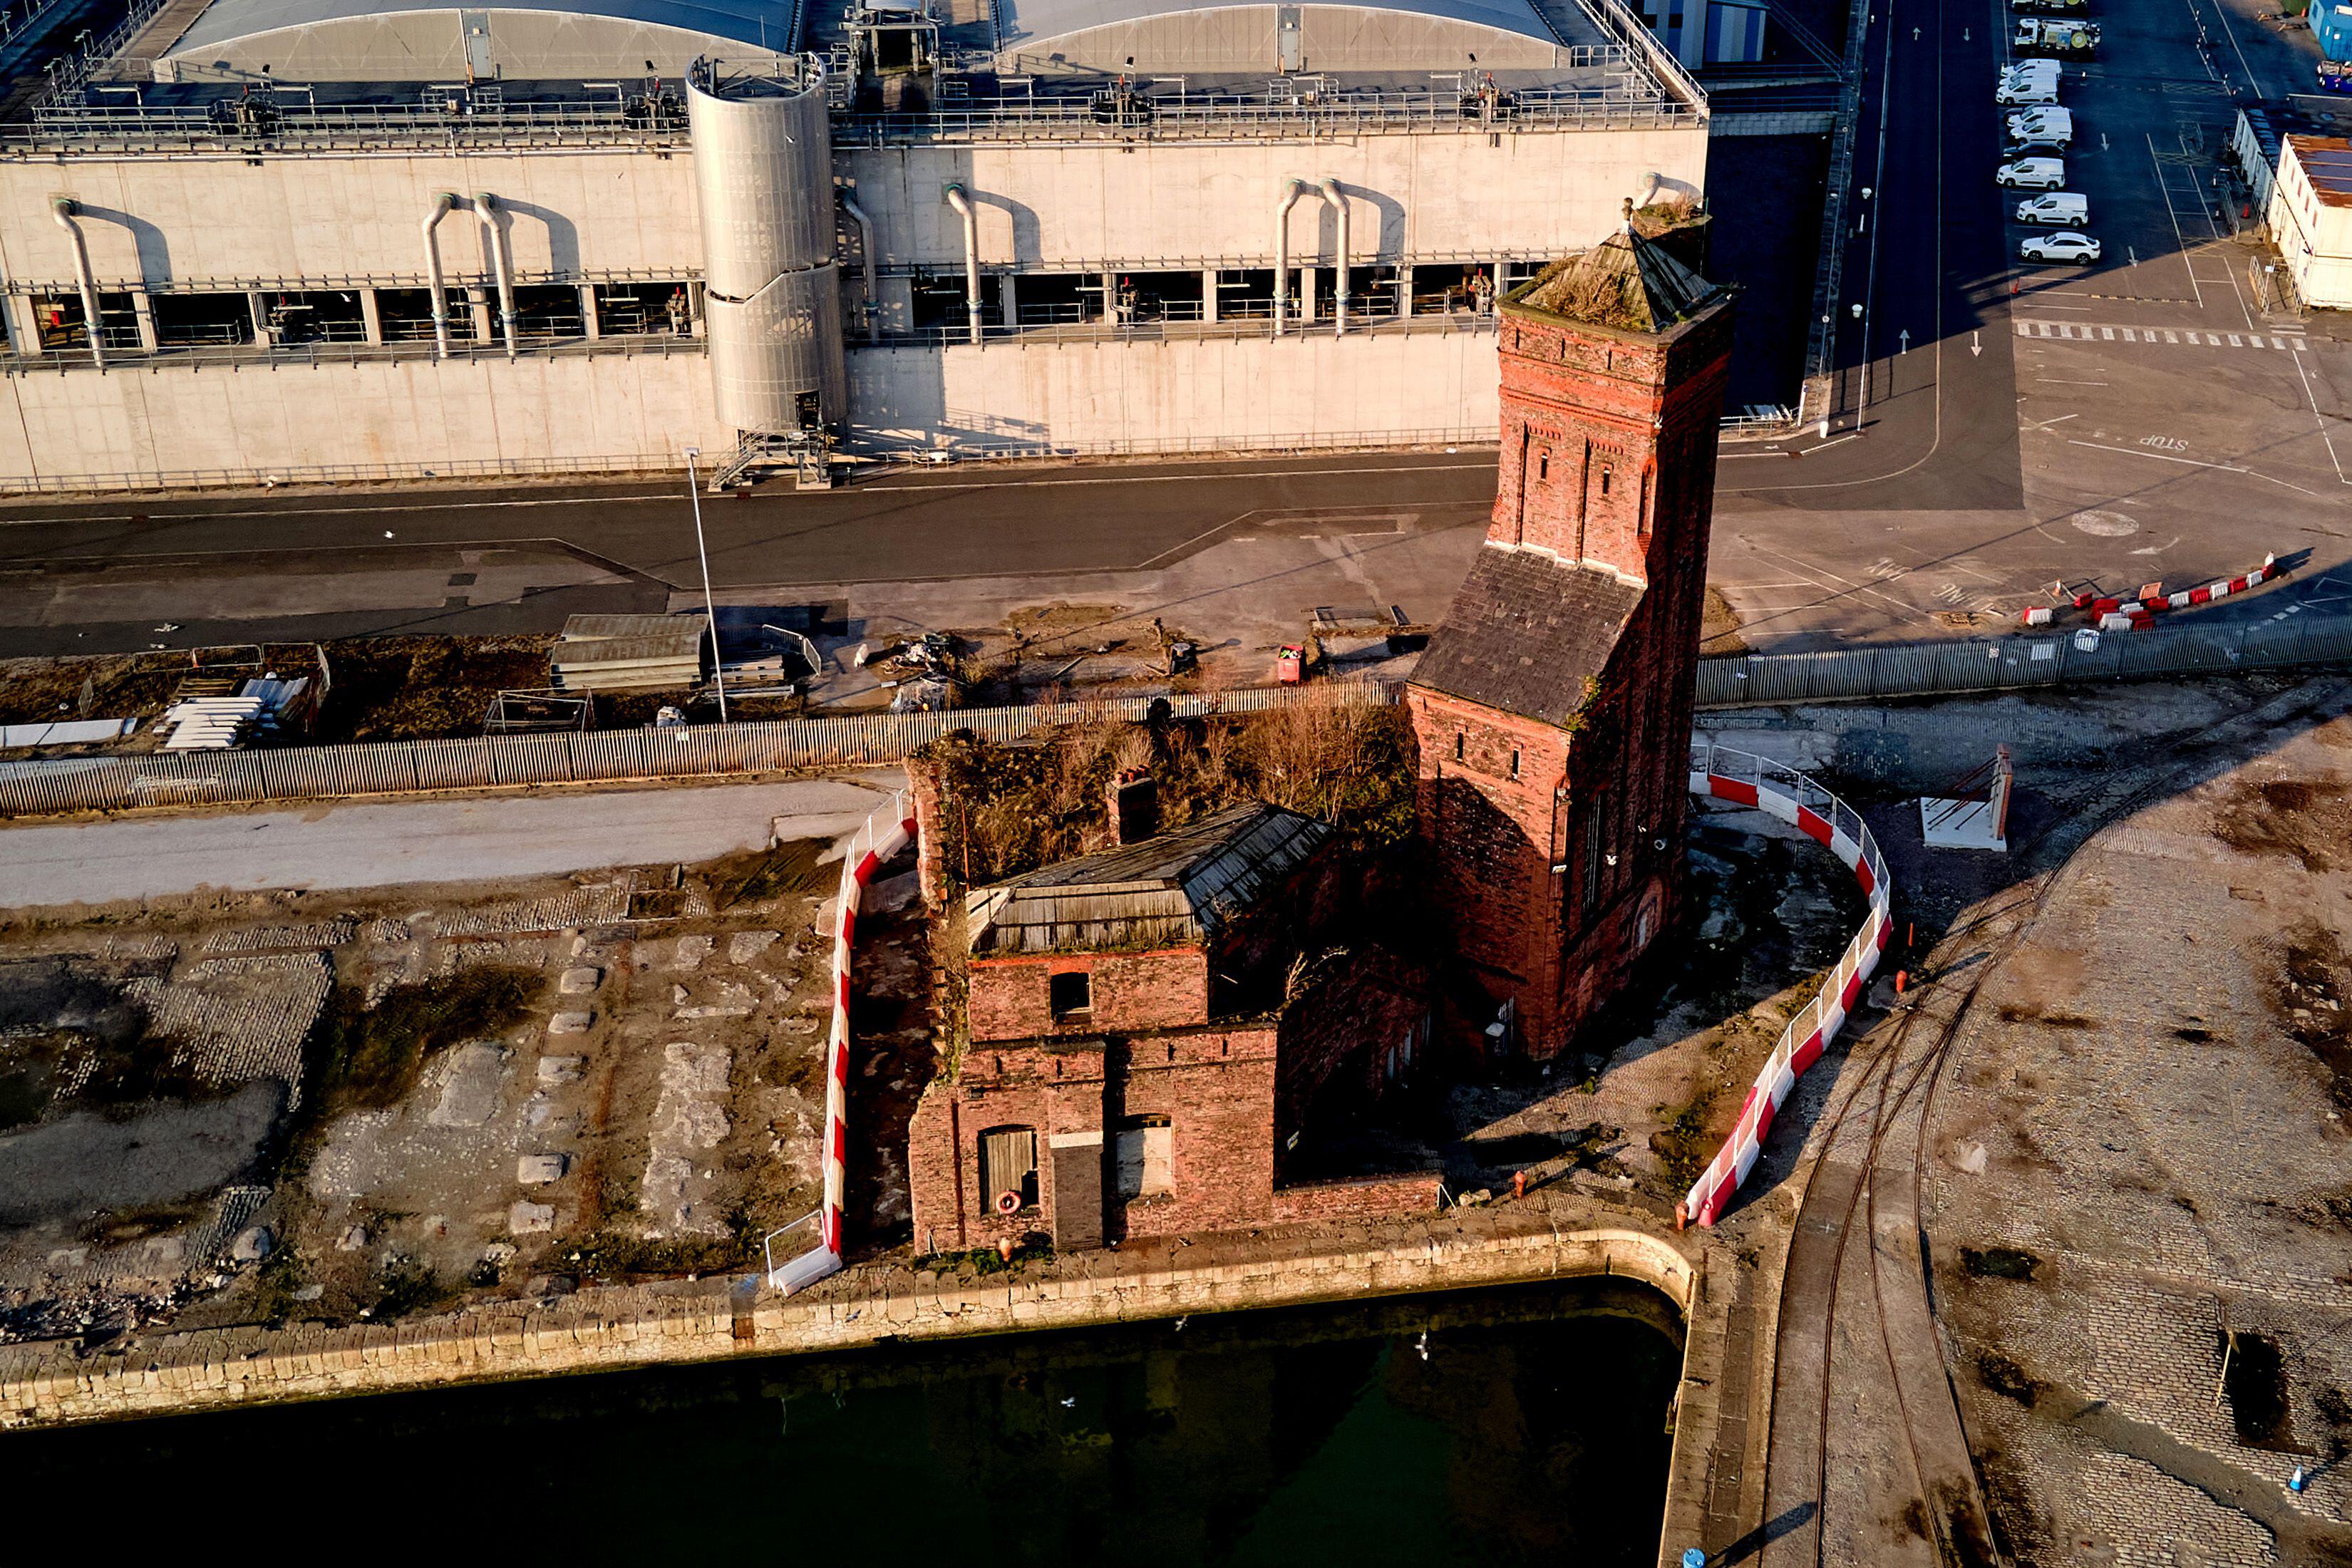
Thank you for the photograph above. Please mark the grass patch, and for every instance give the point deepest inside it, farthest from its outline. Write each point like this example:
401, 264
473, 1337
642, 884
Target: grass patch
988, 1260
1679, 1147
787, 870
370, 1058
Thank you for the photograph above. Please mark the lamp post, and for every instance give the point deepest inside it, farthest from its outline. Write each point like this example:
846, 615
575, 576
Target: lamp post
709, 604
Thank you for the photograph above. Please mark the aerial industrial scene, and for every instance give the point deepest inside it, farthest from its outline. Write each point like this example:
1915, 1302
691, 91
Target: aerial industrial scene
1468, 782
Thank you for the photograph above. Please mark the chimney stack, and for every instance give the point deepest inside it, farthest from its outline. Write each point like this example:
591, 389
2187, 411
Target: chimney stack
1133, 802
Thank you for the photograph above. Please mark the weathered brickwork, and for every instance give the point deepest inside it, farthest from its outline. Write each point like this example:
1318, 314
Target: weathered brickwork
1214, 1086
1011, 998
1555, 818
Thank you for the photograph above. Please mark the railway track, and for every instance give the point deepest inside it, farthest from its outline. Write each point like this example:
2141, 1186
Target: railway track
1890, 1101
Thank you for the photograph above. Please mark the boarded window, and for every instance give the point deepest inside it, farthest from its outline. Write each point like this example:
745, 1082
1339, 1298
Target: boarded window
1147, 1157
1592, 828
1073, 996
1008, 1163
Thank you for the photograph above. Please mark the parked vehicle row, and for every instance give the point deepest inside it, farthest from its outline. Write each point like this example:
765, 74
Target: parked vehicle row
2038, 133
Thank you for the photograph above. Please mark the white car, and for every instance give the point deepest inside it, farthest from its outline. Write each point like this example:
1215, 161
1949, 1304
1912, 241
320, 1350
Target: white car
2032, 173
2079, 247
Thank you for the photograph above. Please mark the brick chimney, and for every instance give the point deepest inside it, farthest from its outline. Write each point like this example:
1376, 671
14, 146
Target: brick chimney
1133, 802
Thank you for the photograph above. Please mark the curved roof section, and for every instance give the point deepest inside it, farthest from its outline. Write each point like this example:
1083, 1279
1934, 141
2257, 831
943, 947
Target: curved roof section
1026, 23
226, 21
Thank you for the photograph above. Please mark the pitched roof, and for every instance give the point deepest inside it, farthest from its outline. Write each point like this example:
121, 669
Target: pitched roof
1525, 631
1171, 888
1625, 282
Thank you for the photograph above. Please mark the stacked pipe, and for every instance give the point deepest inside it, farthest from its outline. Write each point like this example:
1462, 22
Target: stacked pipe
1794, 798
883, 835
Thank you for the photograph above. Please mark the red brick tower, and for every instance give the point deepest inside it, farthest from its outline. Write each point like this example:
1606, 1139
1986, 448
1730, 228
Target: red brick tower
1553, 707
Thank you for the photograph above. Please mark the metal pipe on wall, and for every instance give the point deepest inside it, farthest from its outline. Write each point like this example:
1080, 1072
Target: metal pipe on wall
963, 205
1338, 202
866, 254
1291, 190
63, 209
441, 206
486, 207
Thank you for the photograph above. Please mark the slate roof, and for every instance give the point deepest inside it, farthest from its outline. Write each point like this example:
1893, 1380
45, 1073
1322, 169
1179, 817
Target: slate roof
1163, 891
1525, 631
1625, 282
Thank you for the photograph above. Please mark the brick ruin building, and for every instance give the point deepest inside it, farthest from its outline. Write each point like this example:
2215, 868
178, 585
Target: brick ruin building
1139, 1038
1139, 1043
1553, 709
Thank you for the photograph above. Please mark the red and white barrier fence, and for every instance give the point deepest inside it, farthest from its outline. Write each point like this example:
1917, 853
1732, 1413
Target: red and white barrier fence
2116, 614
884, 834
1794, 798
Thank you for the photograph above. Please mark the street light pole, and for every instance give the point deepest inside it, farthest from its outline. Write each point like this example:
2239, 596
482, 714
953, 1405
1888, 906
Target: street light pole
709, 604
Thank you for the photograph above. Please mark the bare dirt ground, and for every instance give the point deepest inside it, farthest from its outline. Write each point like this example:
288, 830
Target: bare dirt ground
244, 1108
2140, 1202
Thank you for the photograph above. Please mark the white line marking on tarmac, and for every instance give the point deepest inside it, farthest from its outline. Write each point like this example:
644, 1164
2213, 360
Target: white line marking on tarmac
2321, 419
2194, 463
1847, 583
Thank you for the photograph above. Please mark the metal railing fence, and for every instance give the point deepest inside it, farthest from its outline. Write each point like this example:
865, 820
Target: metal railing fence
708, 751
2021, 662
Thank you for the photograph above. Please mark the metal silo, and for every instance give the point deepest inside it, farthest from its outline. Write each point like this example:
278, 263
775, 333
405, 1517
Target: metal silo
764, 171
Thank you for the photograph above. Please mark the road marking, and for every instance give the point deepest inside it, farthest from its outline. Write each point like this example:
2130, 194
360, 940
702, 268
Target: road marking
2321, 420
2048, 381
2194, 463
2178, 238
2086, 332
1846, 583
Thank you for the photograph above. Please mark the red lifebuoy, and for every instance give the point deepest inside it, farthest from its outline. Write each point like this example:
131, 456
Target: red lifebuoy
1008, 1202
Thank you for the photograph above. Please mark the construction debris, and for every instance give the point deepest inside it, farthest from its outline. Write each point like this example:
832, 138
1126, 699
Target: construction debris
627, 653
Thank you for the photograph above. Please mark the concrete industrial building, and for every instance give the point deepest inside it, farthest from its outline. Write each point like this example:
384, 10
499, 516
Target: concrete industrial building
319, 236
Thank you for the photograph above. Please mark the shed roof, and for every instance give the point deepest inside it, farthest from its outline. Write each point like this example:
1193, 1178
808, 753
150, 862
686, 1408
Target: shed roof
1165, 891
2328, 164
225, 21
1029, 23
1525, 631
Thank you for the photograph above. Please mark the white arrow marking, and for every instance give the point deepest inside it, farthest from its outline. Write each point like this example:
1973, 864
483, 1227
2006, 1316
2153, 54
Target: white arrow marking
2133, 253
1905, 335
1976, 342
2102, 142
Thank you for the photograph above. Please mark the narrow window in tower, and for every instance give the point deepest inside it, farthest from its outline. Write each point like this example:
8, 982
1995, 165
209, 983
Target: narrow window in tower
1515, 762
1543, 468
1604, 479
1457, 746
1592, 855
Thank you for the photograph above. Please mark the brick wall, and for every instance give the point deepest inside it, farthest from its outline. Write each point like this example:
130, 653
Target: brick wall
1366, 1197
1012, 998
1335, 1039
1215, 1086
1553, 882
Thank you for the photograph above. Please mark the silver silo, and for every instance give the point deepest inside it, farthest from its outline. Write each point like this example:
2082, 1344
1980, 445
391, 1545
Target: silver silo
764, 171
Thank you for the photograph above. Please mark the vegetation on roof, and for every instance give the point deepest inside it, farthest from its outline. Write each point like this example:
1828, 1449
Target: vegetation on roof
1010, 809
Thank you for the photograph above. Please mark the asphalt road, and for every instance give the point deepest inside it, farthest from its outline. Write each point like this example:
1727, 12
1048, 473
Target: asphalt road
2021, 426
349, 845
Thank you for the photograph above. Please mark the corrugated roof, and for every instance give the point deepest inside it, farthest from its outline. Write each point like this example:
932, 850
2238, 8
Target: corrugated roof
1525, 631
1171, 888
2328, 164
1025, 24
225, 21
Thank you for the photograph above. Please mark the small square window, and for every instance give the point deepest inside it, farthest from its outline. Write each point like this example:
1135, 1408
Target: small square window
1072, 995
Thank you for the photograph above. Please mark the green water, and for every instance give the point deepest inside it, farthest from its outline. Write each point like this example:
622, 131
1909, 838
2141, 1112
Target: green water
1531, 1432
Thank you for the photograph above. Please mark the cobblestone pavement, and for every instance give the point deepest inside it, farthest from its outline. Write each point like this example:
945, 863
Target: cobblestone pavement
2137, 1171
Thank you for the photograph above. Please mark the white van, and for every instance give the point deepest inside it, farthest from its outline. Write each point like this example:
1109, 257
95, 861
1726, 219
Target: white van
2058, 209
2032, 173
2028, 67
2027, 89
2048, 124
